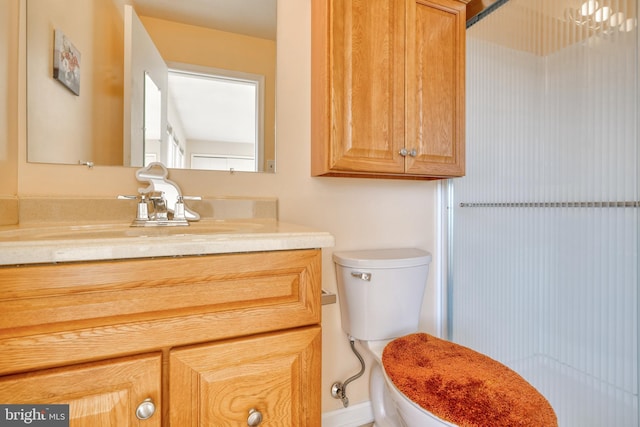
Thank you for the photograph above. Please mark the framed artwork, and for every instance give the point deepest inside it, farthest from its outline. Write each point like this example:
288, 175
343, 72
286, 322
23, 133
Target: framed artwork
66, 62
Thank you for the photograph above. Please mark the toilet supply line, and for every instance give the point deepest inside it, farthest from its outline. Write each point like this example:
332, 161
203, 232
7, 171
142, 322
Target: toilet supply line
338, 389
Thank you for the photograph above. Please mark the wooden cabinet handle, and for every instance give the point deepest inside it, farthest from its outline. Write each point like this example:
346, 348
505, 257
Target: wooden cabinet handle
255, 417
146, 409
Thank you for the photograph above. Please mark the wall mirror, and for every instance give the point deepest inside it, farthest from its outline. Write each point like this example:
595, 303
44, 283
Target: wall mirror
206, 68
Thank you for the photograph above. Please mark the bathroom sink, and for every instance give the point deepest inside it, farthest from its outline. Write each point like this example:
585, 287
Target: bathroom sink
47, 242
114, 231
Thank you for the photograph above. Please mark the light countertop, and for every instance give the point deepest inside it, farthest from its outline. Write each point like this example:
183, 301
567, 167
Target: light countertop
52, 243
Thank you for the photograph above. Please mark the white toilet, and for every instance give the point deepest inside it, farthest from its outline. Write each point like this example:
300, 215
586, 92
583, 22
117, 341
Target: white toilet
381, 294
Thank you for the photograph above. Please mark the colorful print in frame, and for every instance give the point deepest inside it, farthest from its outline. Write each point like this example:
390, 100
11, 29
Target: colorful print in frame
66, 62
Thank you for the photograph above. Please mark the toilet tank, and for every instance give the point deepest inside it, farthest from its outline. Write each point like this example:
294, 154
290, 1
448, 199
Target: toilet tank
380, 291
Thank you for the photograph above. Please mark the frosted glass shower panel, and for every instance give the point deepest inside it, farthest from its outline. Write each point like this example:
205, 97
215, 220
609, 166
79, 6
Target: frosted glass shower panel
544, 247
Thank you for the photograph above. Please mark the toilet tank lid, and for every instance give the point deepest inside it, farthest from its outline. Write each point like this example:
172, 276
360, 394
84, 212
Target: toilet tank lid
382, 258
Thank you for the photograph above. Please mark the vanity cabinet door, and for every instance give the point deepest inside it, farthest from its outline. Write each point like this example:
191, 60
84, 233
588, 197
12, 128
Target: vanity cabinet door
99, 394
275, 377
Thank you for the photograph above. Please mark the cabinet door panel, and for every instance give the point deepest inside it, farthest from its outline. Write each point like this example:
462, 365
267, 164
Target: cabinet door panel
99, 394
277, 374
367, 124
435, 87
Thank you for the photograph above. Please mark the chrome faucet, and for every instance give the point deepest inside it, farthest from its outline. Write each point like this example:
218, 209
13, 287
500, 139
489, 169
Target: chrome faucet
165, 197
160, 212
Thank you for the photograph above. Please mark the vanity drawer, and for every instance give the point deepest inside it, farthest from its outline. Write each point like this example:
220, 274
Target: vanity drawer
129, 306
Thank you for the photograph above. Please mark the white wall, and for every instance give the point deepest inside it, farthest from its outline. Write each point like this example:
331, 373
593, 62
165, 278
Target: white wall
79, 126
141, 58
8, 95
360, 213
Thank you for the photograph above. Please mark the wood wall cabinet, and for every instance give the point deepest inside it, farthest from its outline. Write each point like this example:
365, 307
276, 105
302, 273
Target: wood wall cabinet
388, 88
205, 340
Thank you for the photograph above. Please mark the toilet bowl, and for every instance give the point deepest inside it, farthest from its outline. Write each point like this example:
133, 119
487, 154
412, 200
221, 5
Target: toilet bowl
380, 294
391, 408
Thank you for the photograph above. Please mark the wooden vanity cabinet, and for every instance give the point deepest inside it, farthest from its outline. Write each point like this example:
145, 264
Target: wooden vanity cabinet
388, 88
205, 339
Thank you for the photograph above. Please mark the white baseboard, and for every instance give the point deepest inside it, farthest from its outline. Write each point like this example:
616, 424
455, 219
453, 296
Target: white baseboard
352, 416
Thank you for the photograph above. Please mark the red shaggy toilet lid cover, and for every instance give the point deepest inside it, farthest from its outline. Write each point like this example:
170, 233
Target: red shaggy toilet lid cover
462, 386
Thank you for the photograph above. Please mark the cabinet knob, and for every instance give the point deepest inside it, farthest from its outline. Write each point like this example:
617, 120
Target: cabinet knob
404, 152
255, 417
146, 409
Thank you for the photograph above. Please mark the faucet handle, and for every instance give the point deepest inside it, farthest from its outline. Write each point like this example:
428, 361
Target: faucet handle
142, 213
179, 211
